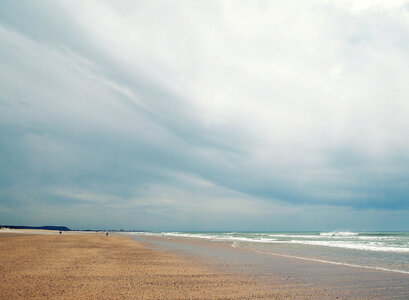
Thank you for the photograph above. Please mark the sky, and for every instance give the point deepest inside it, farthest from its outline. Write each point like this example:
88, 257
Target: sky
205, 115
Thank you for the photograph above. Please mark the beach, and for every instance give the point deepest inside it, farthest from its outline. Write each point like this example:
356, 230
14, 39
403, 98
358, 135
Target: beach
85, 266
204, 149
92, 265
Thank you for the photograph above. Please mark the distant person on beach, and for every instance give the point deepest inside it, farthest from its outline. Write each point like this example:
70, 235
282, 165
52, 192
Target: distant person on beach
106, 234
60, 232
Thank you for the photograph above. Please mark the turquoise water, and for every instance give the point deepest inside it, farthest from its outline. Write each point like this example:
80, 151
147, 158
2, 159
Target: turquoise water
387, 251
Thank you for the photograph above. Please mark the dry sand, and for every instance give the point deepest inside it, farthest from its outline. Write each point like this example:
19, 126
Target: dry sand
93, 266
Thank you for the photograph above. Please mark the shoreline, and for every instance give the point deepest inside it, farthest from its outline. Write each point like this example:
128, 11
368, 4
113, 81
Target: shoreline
342, 280
90, 265
356, 257
335, 263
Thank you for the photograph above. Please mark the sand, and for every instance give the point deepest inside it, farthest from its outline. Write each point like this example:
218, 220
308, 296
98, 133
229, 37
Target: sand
297, 277
93, 266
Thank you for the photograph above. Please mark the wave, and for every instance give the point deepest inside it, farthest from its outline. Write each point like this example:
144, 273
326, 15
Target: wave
339, 233
353, 246
344, 240
301, 236
221, 237
334, 237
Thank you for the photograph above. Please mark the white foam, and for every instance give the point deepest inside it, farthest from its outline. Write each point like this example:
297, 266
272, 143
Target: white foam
340, 233
344, 240
219, 237
306, 236
379, 247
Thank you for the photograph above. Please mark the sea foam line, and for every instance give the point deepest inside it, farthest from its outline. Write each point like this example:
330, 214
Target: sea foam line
273, 240
331, 262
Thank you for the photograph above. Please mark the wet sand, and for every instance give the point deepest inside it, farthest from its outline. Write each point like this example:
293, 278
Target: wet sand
93, 266
321, 280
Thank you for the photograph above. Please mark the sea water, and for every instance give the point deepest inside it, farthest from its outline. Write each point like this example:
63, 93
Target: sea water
388, 251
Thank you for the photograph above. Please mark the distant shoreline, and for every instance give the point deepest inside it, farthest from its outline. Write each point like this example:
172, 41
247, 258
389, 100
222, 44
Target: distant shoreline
64, 228
59, 228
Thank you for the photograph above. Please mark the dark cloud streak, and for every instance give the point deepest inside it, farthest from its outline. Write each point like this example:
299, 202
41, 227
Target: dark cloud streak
79, 122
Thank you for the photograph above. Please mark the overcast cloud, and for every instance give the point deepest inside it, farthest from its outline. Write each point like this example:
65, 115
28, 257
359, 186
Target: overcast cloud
205, 115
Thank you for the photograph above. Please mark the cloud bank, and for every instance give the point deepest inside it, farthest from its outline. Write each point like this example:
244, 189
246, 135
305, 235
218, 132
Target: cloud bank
205, 115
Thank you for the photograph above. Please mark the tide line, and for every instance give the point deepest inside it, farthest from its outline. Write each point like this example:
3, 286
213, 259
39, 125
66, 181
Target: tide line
234, 245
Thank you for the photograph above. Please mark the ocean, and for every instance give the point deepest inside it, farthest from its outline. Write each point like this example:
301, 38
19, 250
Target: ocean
388, 251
